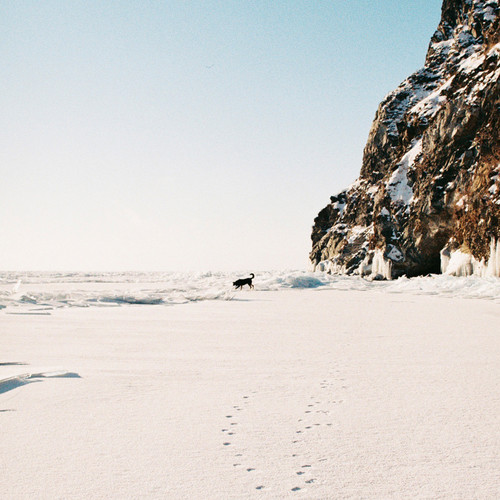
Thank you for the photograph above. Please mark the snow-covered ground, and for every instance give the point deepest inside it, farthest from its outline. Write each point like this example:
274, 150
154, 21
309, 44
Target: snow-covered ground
311, 386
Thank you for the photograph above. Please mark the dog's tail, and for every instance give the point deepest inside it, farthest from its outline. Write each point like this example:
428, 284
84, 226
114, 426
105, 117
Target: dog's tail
252, 275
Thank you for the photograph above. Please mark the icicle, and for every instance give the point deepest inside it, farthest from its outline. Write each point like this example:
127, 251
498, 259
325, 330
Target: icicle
493, 267
381, 266
458, 263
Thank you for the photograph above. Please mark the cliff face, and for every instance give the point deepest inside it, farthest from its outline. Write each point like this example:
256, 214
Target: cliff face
428, 196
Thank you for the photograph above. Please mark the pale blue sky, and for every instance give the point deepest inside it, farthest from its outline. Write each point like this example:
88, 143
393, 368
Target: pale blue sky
188, 135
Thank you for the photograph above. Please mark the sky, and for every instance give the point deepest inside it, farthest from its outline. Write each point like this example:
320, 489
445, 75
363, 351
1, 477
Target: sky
184, 135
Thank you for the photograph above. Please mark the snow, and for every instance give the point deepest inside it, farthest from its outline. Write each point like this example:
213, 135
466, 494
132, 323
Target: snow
488, 10
357, 231
394, 253
444, 45
460, 203
339, 206
338, 228
430, 105
44, 292
397, 186
50, 292
471, 63
489, 15
306, 393
495, 49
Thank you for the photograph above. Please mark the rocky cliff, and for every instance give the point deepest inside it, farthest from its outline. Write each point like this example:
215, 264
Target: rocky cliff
428, 196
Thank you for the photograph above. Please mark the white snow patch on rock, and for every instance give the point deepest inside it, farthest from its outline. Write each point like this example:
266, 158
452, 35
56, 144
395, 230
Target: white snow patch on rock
357, 231
431, 104
397, 186
394, 253
338, 205
471, 63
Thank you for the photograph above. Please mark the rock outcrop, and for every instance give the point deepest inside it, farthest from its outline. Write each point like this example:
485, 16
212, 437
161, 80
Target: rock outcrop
428, 196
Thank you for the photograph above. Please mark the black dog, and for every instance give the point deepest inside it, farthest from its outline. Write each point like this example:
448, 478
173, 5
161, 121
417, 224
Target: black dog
245, 281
